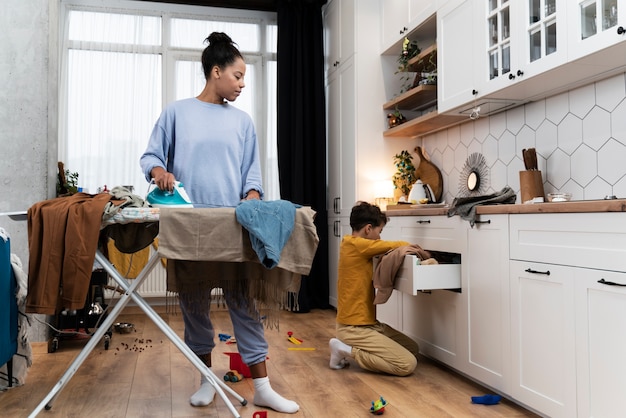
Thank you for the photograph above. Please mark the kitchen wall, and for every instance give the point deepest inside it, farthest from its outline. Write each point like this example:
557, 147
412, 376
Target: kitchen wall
580, 137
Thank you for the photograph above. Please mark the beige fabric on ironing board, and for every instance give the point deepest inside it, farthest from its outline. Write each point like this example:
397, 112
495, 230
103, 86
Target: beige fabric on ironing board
221, 255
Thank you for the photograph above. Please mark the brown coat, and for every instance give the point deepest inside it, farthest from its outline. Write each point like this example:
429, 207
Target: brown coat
62, 242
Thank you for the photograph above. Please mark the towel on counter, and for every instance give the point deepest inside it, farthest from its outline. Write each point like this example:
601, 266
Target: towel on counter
465, 207
387, 268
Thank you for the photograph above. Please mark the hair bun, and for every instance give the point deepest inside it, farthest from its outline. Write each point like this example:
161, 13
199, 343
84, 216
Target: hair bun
218, 38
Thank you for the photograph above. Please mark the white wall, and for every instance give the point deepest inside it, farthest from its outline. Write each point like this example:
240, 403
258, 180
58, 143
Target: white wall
580, 137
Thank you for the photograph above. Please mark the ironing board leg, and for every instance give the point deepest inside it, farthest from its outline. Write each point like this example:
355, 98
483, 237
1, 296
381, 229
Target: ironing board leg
174, 338
95, 338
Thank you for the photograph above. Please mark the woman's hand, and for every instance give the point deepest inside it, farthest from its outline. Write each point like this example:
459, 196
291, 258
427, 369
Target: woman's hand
253, 194
163, 179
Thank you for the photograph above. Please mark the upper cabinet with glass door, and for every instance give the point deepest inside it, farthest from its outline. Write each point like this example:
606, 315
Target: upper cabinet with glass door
519, 40
595, 25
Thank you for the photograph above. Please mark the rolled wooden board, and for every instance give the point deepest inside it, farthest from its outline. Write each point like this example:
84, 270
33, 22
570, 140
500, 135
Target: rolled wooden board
429, 174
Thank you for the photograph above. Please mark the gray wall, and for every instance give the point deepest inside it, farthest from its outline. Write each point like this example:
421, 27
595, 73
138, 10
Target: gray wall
28, 114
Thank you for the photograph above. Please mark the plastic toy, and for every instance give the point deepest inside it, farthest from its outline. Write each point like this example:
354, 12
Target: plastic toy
233, 376
378, 406
293, 339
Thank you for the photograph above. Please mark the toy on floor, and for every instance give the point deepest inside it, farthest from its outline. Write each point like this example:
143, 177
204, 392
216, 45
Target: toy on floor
233, 376
378, 406
486, 399
293, 339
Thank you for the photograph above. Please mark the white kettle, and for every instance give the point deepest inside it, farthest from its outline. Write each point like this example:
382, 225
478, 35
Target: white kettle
417, 192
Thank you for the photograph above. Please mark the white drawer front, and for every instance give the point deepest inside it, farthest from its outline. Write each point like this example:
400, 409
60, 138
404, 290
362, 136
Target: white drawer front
413, 277
574, 239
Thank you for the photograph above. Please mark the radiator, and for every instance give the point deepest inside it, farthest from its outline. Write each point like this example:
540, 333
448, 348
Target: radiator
154, 286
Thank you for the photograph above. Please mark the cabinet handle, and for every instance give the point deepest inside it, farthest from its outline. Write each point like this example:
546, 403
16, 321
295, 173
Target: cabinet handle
520, 73
336, 228
602, 281
488, 221
336, 205
621, 30
547, 272
511, 76
474, 92
427, 221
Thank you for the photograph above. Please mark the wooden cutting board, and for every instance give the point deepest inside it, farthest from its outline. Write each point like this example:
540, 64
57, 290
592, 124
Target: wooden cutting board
429, 174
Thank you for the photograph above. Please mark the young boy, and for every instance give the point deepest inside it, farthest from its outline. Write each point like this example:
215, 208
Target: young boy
373, 345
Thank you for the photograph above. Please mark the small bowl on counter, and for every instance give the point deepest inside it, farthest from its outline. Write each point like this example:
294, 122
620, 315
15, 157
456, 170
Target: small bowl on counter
559, 197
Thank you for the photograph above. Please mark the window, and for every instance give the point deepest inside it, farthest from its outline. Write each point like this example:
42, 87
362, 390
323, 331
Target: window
122, 63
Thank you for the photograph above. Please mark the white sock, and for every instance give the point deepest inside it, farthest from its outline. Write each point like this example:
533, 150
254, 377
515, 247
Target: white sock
204, 395
338, 353
264, 395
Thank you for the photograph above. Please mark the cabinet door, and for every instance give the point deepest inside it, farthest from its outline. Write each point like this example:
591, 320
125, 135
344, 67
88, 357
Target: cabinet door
341, 139
455, 54
395, 21
488, 310
432, 319
339, 32
523, 39
543, 337
390, 312
594, 25
601, 342
337, 228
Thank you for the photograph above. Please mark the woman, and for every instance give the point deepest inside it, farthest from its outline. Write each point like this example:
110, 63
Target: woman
211, 147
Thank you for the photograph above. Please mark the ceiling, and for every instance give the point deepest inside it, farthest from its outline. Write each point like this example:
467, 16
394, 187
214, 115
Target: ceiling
263, 5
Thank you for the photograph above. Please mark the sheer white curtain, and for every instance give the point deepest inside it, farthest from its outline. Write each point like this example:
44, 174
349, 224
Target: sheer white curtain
118, 71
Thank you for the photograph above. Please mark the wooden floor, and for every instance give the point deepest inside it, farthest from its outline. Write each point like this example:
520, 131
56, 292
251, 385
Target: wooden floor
143, 374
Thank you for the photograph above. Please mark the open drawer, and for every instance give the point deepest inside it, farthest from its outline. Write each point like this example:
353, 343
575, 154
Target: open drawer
414, 277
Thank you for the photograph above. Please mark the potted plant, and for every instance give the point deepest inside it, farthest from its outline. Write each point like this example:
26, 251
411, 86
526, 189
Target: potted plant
409, 50
404, 177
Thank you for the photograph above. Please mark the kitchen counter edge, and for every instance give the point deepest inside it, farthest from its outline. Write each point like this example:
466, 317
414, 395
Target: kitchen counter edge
576, 206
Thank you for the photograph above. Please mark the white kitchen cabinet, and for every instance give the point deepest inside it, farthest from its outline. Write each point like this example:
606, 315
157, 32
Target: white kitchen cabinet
339, 33
488, 309
434, 319
543, 337
354, 128
566, 352
390, 312
600, 342
337, 229
595, 25
525, 50
456, 61
523, 39
400, 17
341, 96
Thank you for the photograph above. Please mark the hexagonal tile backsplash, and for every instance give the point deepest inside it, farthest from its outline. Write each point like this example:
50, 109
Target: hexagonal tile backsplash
580, 138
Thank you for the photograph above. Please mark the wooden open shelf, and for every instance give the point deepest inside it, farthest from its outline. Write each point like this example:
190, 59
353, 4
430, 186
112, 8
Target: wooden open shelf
424, 124
420, 98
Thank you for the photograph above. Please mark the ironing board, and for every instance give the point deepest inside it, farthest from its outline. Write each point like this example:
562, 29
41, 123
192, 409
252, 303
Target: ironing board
142, 215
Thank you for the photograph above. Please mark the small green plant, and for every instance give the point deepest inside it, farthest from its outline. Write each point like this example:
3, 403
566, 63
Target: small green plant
67, 181
405, 172
409, 50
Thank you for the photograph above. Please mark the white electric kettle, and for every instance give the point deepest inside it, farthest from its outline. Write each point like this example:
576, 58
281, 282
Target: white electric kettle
417, 192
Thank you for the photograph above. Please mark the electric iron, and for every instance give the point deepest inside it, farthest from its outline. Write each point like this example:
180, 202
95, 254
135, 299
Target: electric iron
162, 198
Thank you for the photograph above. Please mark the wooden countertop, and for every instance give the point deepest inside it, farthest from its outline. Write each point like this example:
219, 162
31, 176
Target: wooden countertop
576, 206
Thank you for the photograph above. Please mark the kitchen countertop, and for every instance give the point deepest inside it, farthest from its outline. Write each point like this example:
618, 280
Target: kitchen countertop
575, 206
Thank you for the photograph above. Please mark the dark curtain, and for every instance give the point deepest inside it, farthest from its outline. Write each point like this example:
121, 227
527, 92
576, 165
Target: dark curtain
302, 129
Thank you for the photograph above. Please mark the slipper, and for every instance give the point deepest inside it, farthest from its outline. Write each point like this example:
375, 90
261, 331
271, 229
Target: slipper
486, 399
